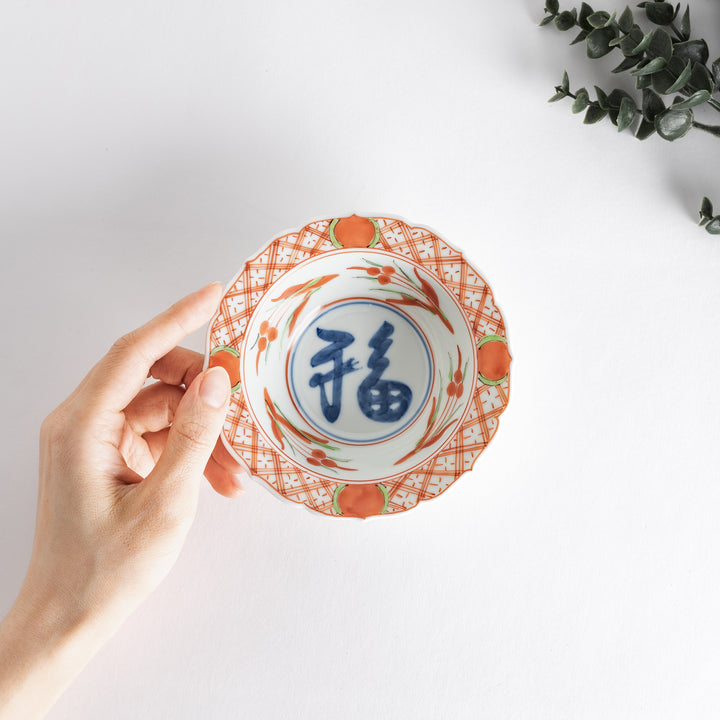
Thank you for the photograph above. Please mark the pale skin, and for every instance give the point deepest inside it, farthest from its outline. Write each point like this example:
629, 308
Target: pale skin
120, 470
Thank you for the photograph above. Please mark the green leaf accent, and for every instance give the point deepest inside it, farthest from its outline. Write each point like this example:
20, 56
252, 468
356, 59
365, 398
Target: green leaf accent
558, 96
336, 495
713, 227
546, 20
565, 20
626, 21
695, 50
652, 105
660, 13
697, 98
579, 37
673, 124
682, 80
598, 42
565, 84
582, 100
626, 114
653, 66
706, 209
594, 114
685, 24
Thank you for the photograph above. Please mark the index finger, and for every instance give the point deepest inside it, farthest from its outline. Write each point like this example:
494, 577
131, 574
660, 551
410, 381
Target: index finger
122, 372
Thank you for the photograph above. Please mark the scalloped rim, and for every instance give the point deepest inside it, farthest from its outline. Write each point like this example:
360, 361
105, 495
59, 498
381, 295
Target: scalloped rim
259, 478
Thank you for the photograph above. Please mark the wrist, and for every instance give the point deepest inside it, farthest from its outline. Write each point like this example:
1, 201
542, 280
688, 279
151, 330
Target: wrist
45, 641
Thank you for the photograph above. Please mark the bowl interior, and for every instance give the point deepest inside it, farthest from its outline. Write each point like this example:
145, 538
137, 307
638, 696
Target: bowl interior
357, 365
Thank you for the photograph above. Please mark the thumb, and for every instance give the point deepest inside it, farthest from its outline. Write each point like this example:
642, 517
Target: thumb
195, 429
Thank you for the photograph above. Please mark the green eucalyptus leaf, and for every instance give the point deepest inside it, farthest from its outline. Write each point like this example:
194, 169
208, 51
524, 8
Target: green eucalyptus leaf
643, 81
546, 20
615, 42
643, 45
703, 221
602, 98
697, 98
580, 37
713, 227
582, 100
559, 95
565, 83
565, 20
627, 63
594, 114
598, 19
598, 42
665, 78
626, 113
706, 209
585, 12
660, 13
645, 130
625, 22
673, 124
695, 50
685, 24
616, 97
653, 66
701, 78
716, 71
682, 79
652, 105
661, 45
552, 6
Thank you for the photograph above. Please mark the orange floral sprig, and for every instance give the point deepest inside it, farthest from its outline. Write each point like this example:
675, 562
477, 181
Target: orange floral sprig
300, 441
440, 421
269, 332
417, 294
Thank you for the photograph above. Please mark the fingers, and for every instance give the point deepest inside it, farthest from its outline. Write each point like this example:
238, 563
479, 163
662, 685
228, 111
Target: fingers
120, 375
192, 437
222, 471
153, 408
224, 481
179, 367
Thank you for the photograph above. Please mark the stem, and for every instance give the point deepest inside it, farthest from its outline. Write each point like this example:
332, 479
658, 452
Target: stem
714, 103
712, 129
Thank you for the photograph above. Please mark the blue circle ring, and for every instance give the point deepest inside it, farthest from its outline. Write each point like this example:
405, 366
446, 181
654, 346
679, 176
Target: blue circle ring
323, 429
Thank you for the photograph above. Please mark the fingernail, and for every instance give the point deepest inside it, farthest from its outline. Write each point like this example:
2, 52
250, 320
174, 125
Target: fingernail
215, 387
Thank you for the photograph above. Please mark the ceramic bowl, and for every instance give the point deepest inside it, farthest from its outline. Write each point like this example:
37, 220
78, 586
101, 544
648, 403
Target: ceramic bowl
360, 351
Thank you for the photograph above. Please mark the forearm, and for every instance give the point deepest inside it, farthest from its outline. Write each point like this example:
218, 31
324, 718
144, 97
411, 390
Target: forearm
42, 649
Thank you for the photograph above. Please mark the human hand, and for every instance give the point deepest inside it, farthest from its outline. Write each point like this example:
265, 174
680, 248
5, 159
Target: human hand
120, 467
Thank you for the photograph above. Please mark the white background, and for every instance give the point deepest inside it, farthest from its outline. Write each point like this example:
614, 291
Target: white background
148, 148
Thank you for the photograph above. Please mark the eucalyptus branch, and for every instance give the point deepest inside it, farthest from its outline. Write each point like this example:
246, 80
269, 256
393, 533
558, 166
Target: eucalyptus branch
710, 221
661, 64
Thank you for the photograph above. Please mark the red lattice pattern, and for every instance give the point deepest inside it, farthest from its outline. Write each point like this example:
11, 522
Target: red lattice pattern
488, 402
